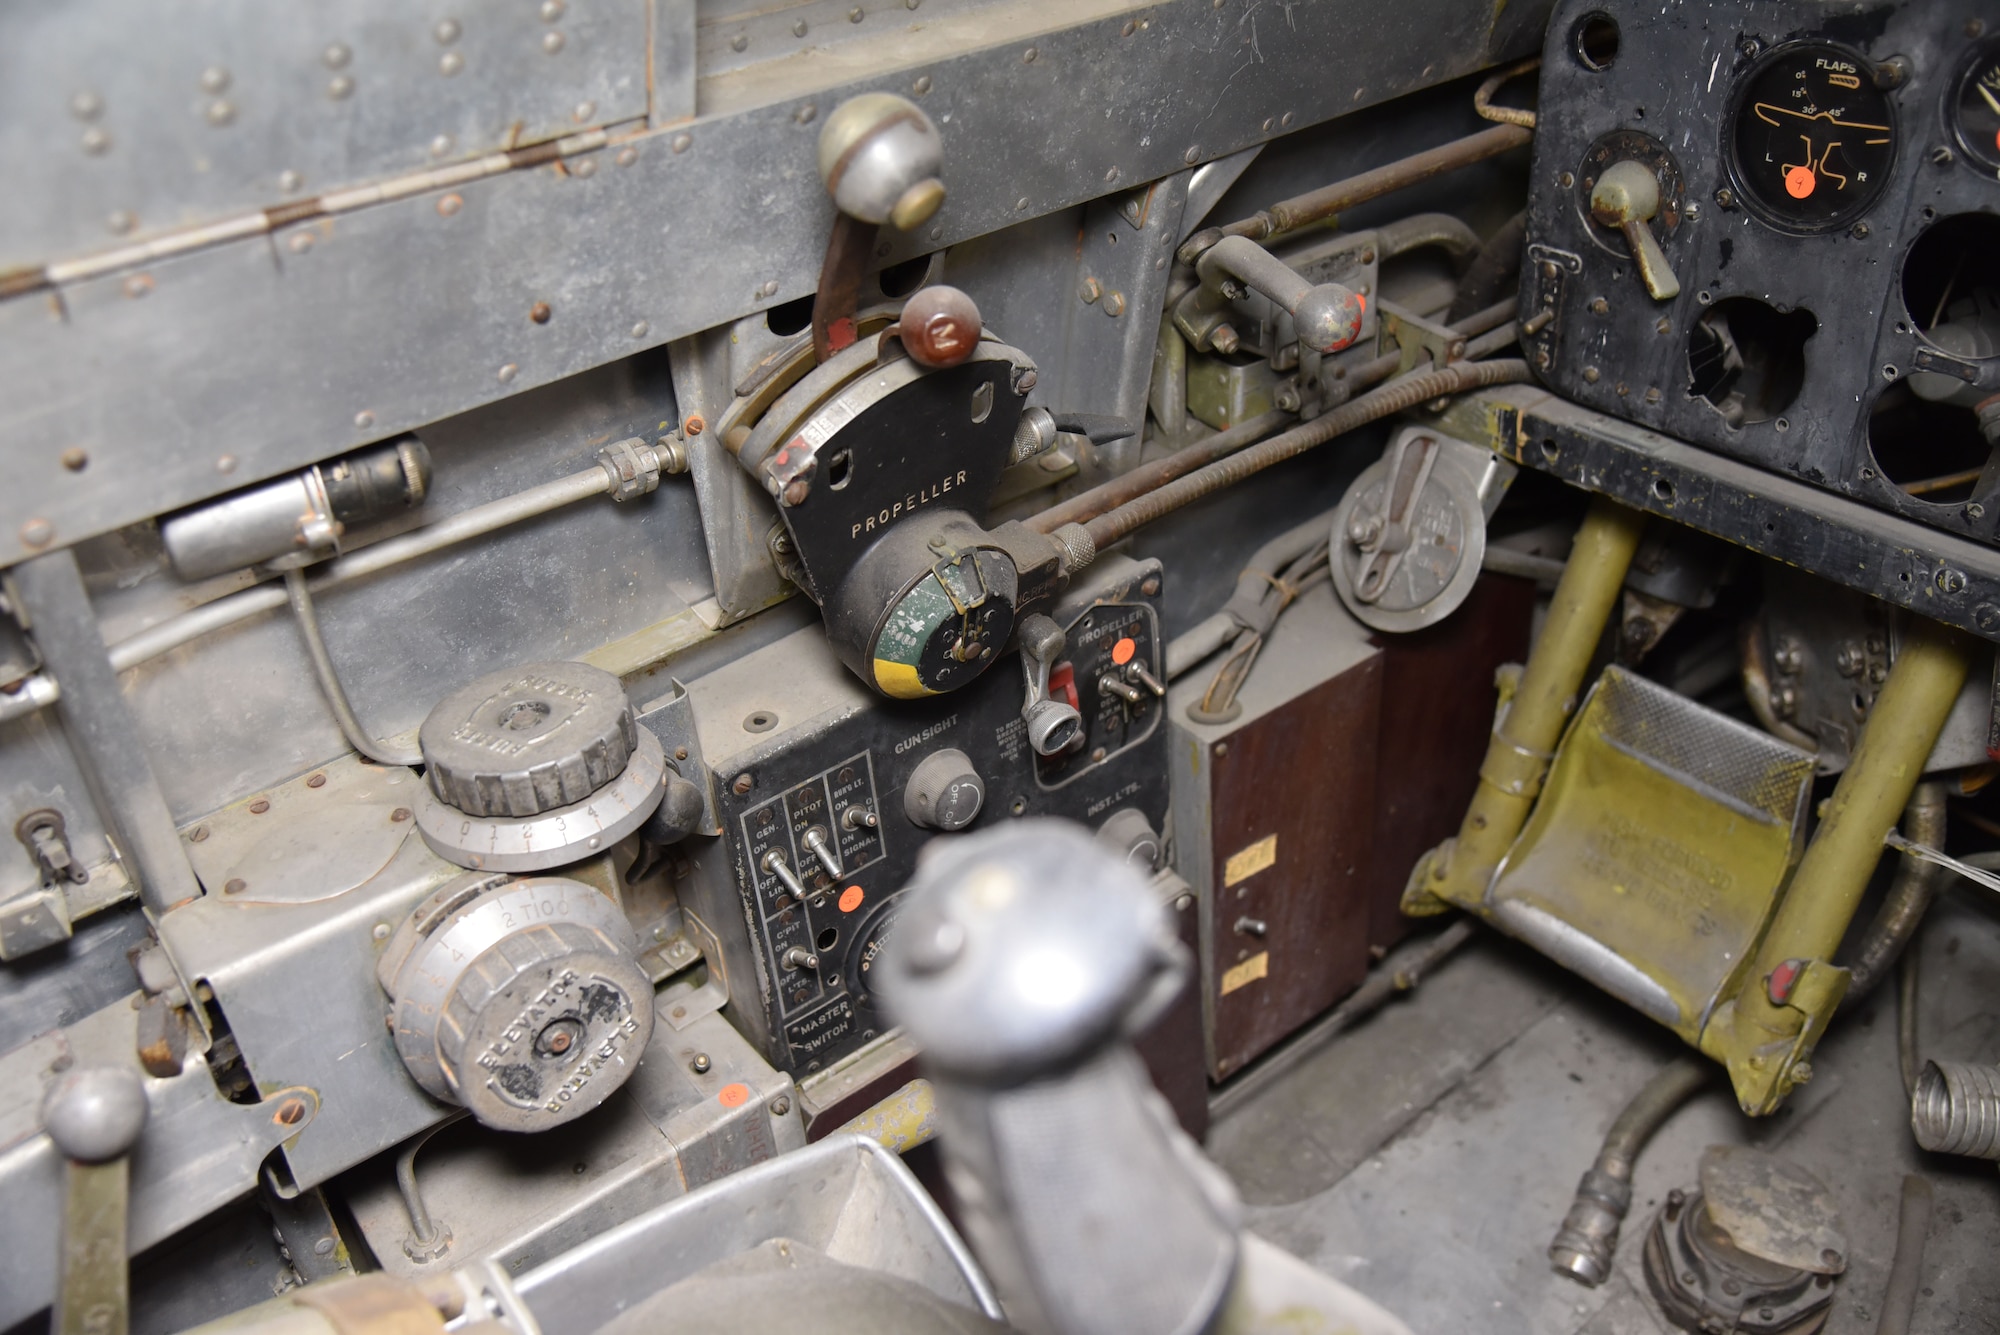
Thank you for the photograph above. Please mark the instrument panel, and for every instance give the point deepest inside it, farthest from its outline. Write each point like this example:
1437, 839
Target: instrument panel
1773, 231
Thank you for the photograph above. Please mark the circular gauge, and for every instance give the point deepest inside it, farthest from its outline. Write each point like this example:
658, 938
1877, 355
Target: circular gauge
1812, 139
1975, 106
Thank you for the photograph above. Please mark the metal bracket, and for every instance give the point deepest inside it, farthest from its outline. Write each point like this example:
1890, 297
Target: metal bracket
1415, 337
1549, 271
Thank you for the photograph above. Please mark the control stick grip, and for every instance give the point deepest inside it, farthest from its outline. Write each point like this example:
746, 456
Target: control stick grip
1025, 960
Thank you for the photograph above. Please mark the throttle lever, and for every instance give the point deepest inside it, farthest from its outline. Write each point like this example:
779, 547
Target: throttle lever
1052, 724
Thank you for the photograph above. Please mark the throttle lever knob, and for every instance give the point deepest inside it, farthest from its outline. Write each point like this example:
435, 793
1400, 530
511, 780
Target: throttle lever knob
880, 158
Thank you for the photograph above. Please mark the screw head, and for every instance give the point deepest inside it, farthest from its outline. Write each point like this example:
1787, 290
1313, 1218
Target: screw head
552, 42
339, 87
75, 459
780, 1106
700, 1064
316, 781
744, 783
1941, 156
450, 63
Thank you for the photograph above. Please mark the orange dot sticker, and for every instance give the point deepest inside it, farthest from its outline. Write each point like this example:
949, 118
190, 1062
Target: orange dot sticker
1121, 652
1799, 182
734, 1096
850, 898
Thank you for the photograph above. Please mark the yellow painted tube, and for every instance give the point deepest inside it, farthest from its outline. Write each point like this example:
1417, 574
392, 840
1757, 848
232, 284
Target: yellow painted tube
1524, 741
1765, 1041
901, 1122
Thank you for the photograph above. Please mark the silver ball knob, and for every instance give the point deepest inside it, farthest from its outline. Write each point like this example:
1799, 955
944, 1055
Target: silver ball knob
95, 1113
880, 157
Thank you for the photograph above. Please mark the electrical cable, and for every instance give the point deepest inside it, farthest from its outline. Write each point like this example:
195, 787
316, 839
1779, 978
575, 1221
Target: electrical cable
1482, 99
357, 736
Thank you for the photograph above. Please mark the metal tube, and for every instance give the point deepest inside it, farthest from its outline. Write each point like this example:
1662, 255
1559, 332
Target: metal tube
28, 695
1442, 230
1909, 896
1906, 1020
1766, 1041
1318, 205
1089, 504
1394, 397
1913, 1226
1524, 739
49, 591
357, 736
479, 520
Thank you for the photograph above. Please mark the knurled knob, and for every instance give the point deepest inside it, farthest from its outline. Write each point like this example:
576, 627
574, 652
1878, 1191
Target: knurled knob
545, 1025
528, 739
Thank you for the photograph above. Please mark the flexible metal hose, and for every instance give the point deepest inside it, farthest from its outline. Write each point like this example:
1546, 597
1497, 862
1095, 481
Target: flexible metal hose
1956, 1109
1394, 397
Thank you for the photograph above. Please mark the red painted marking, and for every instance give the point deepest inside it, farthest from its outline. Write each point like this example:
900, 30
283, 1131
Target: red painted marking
840, 334
1062, 684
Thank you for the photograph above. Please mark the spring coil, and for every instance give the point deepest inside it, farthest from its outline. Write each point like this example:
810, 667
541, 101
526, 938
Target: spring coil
1956, 1109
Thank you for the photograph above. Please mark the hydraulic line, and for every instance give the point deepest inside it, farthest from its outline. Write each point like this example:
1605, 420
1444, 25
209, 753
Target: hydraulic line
1407, 392
1318, 205
1589, 1234
478, 521
1910, 894
1106, 496
1913, 1226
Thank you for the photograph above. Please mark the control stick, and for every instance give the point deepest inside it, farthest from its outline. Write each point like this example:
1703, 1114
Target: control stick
1026, 959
